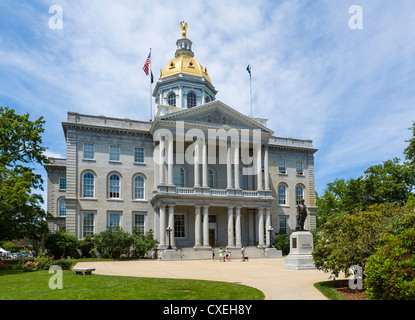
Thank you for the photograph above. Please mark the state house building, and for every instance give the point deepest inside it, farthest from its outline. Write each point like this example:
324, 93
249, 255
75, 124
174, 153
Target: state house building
171, 172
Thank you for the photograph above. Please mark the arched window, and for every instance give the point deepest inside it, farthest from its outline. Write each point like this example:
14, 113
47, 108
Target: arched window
178, 177
171, 99
114, 186
211, 178
191, 100
299, 193
139, 188
282, 194
207, 99
88, 185
62, 207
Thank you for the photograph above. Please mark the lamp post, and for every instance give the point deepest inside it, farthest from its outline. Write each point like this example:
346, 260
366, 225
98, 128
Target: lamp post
169, 229
270, 229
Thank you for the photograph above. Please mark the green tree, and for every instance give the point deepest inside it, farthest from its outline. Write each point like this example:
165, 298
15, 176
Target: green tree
350, 239
389, 182
20, 146
410, 149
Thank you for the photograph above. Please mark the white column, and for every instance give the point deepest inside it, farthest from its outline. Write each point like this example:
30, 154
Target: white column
161, 161
229, 165
198, 226
171, 223
230, 227
206, 226
204, 164
267, 225
238, 227
266, 169
236, 168
170, 160
261, 227
196, 163
251, 230
162, 213
259, 167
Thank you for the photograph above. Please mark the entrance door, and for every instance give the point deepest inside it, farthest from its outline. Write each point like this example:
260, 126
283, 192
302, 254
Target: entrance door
212, 237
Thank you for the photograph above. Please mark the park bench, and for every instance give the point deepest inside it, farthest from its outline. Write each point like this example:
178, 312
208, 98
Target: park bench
83, 271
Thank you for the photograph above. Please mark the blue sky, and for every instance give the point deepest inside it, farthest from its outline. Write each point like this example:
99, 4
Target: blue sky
350, 91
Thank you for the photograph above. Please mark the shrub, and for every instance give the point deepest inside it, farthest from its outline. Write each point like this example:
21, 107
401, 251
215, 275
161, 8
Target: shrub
87, 246
282, 242
390, 272
114, 243
142, 243
60, 244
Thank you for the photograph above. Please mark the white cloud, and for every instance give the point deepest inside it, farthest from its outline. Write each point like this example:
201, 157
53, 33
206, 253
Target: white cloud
351, 91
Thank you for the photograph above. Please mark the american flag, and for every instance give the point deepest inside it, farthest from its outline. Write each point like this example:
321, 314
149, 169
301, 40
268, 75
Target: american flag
147, 64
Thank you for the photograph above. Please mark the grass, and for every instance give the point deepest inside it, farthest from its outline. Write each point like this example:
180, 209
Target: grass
18, 285
327, 289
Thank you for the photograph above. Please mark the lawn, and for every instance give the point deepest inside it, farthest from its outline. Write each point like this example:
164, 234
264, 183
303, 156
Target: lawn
18, 285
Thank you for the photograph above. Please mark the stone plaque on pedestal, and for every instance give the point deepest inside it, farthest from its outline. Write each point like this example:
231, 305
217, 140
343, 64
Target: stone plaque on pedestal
301, 247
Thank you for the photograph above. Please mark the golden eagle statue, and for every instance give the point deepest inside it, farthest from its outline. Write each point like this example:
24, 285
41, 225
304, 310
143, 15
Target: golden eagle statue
183, 28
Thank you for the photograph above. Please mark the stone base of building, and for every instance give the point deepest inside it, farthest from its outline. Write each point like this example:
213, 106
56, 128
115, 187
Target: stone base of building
272, 253
301, 247
169, 254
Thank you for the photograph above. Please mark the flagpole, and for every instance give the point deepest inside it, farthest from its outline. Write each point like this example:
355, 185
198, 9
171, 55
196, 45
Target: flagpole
250, 85
151, 92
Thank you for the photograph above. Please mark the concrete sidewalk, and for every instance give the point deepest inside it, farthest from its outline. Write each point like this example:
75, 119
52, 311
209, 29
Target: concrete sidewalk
267, 275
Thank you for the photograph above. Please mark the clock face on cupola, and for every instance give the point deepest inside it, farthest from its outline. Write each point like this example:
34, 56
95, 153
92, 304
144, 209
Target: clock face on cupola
184, 82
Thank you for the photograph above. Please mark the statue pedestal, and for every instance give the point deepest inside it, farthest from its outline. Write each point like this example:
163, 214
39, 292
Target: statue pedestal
301, 247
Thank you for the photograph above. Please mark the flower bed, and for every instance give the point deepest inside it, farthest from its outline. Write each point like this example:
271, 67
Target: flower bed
28, 265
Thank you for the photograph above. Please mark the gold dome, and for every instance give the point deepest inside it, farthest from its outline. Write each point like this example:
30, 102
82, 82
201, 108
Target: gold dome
187, 65
184, 61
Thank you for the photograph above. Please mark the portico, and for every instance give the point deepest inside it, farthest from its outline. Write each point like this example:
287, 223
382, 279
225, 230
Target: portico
203, 226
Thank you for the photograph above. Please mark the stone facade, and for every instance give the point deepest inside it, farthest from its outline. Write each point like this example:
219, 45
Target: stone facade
187, 169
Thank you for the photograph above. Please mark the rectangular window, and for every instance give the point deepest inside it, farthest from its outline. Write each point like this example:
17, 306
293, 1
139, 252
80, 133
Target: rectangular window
62, 184
299, 167
179, 226
139, 222
281, 167
114, 220
283, 225
89, 151
139, 155
114, 153
87, 224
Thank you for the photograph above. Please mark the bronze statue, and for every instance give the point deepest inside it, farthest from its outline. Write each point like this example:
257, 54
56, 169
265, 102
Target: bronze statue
301, 215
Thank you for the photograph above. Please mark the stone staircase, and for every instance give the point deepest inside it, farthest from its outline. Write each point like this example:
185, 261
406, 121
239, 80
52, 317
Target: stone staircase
206, 254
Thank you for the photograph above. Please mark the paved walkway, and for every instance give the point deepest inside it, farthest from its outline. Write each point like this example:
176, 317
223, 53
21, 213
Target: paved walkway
267, 275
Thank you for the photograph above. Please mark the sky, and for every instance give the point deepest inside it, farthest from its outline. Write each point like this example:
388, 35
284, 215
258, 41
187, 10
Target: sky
314, 75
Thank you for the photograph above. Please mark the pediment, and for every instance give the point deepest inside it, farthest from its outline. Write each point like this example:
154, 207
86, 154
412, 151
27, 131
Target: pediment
215, 114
